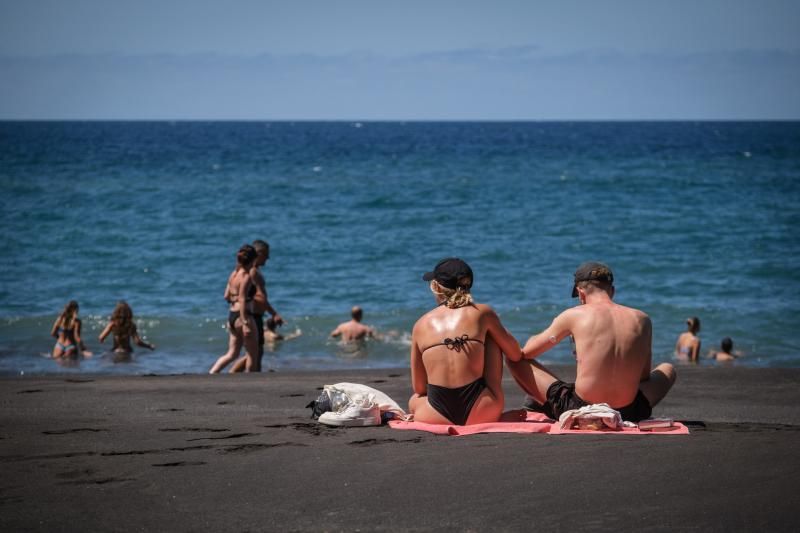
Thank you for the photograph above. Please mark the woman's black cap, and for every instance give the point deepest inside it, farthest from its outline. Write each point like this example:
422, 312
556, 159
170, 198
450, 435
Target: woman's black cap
451, 273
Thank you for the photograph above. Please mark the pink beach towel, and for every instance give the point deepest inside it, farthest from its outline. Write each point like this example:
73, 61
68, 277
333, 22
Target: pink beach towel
521, 421
518, 421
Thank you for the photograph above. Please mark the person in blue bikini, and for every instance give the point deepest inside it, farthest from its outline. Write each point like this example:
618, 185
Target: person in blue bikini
687, 348
67, 331
457, 353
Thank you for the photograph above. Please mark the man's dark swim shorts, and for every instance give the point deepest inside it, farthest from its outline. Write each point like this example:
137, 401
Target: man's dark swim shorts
562, 397
259, 319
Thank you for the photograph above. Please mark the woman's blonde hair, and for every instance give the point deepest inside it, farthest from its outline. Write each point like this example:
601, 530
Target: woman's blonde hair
453, 298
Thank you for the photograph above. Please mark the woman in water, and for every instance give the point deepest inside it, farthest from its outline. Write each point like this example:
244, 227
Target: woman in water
67, 331
456, 353
688, 346
124, 329
241, 325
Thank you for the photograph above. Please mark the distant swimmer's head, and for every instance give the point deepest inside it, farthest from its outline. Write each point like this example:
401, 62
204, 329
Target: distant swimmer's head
693, 323
357, 313
591, 275
246, 255
726, 345
262, 251
451, 281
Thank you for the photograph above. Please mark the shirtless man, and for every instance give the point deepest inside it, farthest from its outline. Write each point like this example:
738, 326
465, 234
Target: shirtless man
613, 347
260, 304
353, 330
725, 353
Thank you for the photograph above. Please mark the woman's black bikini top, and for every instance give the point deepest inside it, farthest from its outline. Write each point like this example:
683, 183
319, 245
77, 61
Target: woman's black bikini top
456, 344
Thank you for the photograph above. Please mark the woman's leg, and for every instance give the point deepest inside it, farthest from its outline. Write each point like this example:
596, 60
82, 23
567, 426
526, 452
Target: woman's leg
57, 351
251, 349
234, 347
489, 405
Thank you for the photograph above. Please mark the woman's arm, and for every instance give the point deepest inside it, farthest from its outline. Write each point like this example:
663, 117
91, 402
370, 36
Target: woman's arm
227, 294
419, 376
500, 335
77, 327
138, 340
54, 331
243, 282
694, 355
106, 331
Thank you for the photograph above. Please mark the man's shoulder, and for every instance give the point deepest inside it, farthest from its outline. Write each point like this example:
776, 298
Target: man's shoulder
638, 313
256, 274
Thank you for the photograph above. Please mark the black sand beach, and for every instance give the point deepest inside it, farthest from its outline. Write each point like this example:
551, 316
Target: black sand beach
240, 453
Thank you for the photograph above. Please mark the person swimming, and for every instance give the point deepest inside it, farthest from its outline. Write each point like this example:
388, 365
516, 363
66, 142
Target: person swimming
687, 347
725, 354
123, 327
456, 353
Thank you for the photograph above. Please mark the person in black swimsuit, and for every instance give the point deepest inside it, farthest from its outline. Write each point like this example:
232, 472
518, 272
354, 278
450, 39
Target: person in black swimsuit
457, 353
241, 325
123, 327
260, 305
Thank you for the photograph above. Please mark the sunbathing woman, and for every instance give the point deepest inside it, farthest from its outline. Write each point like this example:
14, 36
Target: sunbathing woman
124, 329
687, 348
241, 325
67, 331
456, 359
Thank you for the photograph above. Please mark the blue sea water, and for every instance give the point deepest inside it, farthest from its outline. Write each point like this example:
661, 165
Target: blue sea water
695, 218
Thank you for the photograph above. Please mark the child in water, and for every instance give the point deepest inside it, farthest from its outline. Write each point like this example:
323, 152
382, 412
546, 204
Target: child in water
67, 331
124, 329
687, 348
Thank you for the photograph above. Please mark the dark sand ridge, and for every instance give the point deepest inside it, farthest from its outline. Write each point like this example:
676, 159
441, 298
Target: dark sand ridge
236, 453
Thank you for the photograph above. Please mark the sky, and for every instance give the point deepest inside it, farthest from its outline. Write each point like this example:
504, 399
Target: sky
411, 60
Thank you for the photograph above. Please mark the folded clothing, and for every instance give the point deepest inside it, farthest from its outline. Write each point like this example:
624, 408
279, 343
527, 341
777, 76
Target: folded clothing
593, 416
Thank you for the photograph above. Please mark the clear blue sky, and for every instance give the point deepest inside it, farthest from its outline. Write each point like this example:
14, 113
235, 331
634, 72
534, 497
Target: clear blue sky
456, 60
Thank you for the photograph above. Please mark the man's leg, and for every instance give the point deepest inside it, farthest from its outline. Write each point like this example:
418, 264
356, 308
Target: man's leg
662, 378
532, 377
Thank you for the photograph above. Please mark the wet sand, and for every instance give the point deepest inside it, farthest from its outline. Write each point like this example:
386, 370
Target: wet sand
240, 453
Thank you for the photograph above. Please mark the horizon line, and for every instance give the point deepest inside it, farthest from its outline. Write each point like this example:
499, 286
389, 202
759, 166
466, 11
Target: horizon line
399, 120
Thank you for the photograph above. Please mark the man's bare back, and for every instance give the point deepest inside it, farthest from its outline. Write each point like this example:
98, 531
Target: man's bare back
613, 349
353, 330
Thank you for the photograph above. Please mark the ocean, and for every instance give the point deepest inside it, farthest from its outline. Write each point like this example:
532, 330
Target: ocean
695, 218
